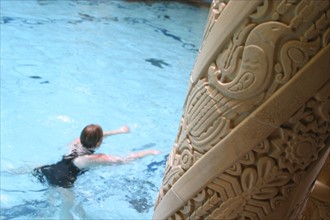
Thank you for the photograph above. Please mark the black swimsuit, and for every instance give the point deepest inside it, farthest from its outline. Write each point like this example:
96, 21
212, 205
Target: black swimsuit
63, 174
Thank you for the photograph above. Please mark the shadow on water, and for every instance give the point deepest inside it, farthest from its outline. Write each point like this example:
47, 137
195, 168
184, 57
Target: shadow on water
139, 197
153, 166
85, 17
143, 147
27, 209
139, 192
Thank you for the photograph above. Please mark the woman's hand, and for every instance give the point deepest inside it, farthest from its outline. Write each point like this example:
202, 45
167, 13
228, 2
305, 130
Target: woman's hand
124, 129
154, 152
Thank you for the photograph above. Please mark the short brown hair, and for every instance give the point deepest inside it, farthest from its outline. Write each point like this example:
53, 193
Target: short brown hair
91, 135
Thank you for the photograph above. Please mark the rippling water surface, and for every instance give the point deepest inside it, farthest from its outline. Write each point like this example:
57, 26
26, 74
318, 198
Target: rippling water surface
65, 64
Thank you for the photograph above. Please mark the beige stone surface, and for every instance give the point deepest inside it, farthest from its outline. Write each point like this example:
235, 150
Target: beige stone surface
255, 129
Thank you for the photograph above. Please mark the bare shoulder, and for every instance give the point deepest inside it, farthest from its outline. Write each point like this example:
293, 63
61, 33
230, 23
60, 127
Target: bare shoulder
82, 161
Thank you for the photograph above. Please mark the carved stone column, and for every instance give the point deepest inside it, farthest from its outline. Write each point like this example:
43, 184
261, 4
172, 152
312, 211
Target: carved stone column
318, 205
255, 130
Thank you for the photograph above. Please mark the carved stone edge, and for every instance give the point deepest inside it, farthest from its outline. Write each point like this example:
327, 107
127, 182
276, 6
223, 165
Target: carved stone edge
211, 47
269, 116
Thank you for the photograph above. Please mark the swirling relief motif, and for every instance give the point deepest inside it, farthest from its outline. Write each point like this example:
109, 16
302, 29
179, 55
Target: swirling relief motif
241, 72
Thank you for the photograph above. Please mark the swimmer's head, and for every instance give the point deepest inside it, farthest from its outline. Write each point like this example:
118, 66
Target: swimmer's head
91, 136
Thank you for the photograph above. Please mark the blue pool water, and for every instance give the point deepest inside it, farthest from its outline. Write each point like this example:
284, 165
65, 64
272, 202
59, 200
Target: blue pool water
67, 63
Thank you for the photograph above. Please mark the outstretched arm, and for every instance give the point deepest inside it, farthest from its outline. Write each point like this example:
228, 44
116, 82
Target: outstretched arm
123, 129
137, 155
88, 161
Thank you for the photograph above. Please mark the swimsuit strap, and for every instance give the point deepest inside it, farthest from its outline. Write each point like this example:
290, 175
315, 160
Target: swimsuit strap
79, 150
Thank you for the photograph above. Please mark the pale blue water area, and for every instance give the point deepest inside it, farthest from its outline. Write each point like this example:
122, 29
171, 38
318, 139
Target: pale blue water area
67, 63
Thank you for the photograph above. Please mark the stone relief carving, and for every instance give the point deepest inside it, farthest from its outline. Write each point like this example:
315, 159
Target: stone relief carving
216, 9
316, 209
262, 180
244, 69
264, 53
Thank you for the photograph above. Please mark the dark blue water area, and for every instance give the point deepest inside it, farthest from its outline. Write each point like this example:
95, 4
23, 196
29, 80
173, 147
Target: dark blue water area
68, 63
